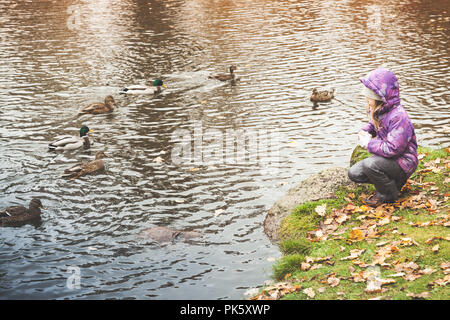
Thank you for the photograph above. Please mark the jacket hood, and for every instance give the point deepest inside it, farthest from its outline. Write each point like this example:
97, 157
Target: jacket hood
385, 84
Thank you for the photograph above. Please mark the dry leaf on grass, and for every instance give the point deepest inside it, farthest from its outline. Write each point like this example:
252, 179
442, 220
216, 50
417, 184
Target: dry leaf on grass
445, 266
309, 292
276, 291
321, 210
354, 254
333, 281
442, 282
429, 241
423, 295
305, 266
374, 284
405, 242
356, 235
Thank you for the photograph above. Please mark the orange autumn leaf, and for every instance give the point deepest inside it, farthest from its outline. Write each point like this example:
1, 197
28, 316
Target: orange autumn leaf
356, 235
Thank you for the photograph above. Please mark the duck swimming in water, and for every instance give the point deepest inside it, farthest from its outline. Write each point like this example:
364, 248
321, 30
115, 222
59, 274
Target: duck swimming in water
321, 96
19, 215
72, 143
156, 87
82, 169
225, 77
98, 107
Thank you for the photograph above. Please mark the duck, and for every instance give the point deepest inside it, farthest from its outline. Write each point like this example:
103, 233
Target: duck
72, 143
82, 169
19, 215
157, 87
225, 77
99, 107
321, 96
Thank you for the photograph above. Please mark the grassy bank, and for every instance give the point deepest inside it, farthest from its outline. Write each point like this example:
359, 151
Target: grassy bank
342, 249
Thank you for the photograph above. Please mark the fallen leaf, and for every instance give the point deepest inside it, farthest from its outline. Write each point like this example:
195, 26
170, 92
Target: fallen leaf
446, 267
435, 248
321, 210
407, 242
374, 284
276, 291
442, 282
333, 281
429, 241
316, 266
400, 274
354, 254
423, 295
427, 271
305, 266
356, 235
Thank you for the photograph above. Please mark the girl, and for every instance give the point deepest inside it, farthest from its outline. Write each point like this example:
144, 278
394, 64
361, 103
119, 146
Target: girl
389, 137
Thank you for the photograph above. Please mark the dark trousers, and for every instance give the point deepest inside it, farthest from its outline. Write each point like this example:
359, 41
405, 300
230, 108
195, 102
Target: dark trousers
385, 174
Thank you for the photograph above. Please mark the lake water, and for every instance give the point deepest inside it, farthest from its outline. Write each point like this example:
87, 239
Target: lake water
57, 56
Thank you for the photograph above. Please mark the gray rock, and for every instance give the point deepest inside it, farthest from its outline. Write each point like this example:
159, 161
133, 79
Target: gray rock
321, 185
164, 234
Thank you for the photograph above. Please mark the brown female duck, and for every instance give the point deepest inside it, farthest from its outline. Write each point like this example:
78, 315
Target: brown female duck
86, 168
19, 215
98, 107
225, 77
321, 96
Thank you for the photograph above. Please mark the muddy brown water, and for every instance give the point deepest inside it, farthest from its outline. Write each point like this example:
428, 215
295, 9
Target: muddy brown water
57, 56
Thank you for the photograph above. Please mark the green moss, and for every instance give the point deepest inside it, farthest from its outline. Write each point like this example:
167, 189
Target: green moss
292, 246
358, 154
288, 264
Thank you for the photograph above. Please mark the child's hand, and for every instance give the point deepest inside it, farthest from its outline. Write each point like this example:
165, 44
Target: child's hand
364, 138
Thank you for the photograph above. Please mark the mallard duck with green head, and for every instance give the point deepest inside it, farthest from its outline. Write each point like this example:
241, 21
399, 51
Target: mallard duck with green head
225, 77
157, 87
99, 107
19, 215
72, 143
82, 169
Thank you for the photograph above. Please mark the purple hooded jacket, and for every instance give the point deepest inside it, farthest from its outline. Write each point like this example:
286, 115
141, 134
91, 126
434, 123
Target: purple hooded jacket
395, 138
